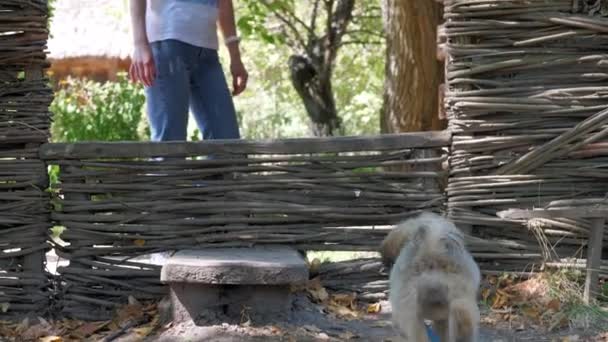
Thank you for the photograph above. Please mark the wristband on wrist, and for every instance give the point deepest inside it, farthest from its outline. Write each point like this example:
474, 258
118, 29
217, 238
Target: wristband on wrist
232, 39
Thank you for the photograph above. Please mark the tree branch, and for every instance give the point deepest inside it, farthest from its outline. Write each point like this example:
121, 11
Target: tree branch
338, 21
361, 42
281, 16
363, 31
313, 19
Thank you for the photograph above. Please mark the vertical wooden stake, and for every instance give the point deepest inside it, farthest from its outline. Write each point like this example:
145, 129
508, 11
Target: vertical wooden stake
594, 258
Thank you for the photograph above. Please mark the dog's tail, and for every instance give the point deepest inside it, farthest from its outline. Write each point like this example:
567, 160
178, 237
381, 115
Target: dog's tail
464, 317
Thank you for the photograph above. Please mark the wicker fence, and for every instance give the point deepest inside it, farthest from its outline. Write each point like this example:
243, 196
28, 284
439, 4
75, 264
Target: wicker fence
528, 107
119, 201
528, 110
24, 126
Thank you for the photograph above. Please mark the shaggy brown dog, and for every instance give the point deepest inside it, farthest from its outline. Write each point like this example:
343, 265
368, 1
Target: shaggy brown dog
433, 277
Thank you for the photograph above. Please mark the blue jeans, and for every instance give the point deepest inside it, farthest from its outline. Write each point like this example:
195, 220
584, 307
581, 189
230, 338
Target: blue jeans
189, 77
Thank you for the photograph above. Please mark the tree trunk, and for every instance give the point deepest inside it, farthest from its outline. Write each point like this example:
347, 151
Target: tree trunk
316, 92
413, 74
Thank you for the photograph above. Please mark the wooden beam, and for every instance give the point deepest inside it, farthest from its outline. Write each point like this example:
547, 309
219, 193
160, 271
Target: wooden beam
594, 258
586, 212
387, 142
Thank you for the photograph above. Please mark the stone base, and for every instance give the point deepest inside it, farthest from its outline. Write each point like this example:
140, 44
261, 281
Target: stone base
233, 285
233, 304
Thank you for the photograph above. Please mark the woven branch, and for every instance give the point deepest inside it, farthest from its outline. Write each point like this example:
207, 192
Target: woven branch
527, 105
24, 126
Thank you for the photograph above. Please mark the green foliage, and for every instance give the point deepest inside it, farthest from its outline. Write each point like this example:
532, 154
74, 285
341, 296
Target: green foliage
292, 22
87, 110
256, 19
53, 171
270, 108
358, 85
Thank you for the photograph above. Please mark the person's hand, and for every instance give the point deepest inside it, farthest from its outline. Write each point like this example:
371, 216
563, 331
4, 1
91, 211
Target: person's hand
239, 77
142, 65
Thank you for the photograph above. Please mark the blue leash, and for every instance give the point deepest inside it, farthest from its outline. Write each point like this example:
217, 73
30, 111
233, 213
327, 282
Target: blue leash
432, 336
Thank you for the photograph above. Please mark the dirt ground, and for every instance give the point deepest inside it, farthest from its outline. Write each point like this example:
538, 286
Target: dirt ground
318, 315
310, 323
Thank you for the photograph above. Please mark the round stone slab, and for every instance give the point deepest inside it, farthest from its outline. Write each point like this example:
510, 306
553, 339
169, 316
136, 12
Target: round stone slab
236, 266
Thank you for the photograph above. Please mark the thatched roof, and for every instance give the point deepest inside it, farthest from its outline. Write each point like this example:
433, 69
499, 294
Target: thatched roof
90, 28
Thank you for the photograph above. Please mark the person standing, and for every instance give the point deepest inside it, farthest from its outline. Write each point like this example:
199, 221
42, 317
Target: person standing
175, 56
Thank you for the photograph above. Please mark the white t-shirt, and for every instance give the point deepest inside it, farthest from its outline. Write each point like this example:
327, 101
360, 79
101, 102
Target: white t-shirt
190, 21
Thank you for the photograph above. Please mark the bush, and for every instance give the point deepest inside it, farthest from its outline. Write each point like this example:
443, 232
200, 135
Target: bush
88, 110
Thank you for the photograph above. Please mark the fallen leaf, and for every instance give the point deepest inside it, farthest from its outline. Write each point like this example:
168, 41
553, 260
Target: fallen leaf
499, 301
504, 293
380, 324
50, 339
531, 312
317, 291
155, 323
488, 320
23, 325
558, 321
323, 336
345, 299
4, 307
373, 308
89, 329
347, 336
139, 242
40, 330
342, 311
133, 301
554, 305
485, 293
143, 331
311, 328
113, 326
127, 313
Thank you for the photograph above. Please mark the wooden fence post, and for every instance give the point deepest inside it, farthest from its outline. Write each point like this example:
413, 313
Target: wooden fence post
594, 258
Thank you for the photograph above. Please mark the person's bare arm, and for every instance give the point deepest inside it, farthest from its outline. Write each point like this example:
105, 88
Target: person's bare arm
142, 62
228, 28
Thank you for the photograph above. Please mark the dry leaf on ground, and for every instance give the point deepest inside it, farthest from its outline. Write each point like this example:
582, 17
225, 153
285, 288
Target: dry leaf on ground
51, 339
374, 308
345, 336
89, 329
316, 290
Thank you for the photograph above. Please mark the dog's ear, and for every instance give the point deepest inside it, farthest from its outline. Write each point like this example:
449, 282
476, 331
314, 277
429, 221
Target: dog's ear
393, 243
408, 230
389, 250
388, 262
